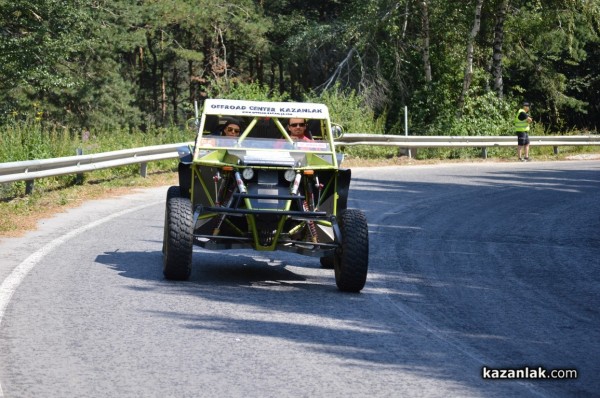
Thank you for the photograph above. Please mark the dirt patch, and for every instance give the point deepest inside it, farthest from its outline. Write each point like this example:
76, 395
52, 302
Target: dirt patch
584, 156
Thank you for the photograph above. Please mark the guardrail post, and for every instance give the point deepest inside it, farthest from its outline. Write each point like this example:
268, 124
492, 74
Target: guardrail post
556, 150
143, 169
406, 152
484, 152
29, 187
79, 178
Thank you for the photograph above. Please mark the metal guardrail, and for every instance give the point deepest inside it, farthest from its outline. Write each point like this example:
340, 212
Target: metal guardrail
413, 141
32, 169
484, 142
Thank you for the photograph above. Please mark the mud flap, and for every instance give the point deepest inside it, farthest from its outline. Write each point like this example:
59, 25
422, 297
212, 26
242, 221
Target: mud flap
343, 187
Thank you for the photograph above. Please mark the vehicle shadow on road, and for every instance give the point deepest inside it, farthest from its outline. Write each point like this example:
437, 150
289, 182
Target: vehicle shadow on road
287, 297
228, 268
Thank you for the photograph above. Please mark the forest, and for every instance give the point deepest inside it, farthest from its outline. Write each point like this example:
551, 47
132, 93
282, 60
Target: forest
460, 67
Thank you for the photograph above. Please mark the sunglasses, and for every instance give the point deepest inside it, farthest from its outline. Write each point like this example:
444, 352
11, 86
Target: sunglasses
297, 125
232, 130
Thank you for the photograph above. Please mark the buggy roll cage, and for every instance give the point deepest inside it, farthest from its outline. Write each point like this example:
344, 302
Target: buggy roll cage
256, 114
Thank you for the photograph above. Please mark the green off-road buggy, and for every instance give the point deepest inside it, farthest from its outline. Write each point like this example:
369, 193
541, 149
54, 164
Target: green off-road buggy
265, 191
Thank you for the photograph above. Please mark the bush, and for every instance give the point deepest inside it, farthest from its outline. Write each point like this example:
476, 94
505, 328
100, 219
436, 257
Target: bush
348, 109
482, 115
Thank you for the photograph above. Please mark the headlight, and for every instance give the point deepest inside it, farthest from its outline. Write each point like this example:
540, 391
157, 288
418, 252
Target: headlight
289, 175
248, 173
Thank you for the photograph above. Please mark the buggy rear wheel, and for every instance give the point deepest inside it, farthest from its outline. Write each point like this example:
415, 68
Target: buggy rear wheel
178, 240
351, 260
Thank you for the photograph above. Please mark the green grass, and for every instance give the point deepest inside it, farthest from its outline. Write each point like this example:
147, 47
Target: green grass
542, 152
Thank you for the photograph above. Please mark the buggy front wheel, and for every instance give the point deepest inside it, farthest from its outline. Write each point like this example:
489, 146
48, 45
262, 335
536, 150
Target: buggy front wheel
351, 260
178, 239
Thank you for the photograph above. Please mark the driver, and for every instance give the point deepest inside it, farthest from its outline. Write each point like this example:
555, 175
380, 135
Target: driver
298, 130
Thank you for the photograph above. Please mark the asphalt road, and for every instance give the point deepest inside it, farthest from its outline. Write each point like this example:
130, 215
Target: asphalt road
476, 265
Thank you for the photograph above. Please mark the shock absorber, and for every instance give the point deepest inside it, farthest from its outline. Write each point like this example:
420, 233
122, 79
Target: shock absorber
309, 205
240, 183
217, 229
228, 199
319, 187
216, 178
312, 229
295, 184
222, 189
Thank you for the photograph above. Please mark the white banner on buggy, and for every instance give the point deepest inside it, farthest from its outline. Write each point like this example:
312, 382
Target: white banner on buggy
303, 110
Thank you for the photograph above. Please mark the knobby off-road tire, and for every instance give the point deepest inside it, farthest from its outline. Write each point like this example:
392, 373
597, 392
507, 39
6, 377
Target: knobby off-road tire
172, 192
351, 261
178, 240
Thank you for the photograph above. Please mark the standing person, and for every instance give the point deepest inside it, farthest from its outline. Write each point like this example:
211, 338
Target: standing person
297, 129
522, 122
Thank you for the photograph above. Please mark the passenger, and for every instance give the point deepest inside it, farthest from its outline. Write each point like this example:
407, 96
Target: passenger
298, 130
231, 129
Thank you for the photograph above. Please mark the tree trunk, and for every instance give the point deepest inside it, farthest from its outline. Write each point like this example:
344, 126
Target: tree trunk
163, 84
193, 84
193, 88
163, 96
175, 95
260, 69
498, 42
272, 76
469, 67
251, 67
405, 24
154, 74
281, 77
425, 41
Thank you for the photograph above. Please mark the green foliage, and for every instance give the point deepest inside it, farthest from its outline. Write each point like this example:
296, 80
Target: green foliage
482, 115
546, 46
31, 140
347, 109
38, 41
233, 89
63, 56
115, 65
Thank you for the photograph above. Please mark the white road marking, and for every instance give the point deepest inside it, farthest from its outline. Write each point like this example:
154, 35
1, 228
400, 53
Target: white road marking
11, 283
